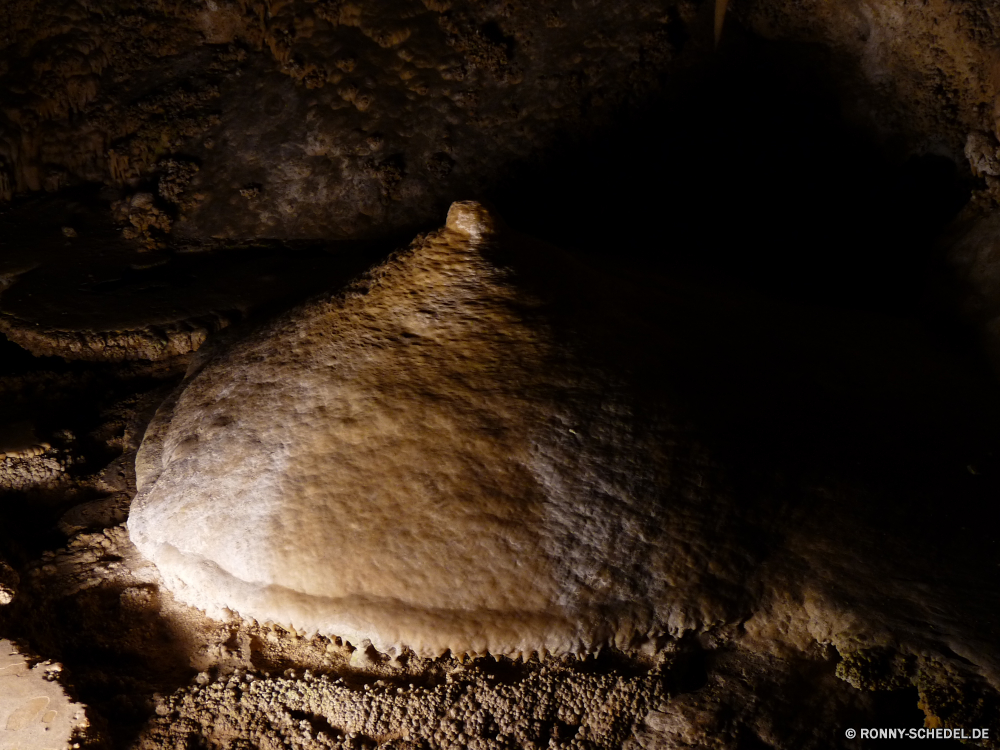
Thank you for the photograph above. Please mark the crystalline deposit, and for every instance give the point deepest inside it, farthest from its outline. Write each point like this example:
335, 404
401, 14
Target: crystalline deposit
431, 459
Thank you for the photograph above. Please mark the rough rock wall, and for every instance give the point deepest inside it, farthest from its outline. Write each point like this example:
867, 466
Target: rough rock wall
324, 118
308, 118
922, 73
788, 515
923, 77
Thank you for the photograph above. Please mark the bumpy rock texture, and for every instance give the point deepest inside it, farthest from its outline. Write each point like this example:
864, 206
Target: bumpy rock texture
826, 547
333, 119
455, 454
307, 119
475, 707
922, 74
92, 295
822, 441
426, 461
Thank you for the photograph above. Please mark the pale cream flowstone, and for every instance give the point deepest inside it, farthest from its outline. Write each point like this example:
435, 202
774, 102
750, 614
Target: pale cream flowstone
431, 459
35, 713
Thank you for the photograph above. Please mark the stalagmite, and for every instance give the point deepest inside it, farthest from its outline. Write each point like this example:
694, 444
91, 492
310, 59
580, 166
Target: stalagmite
444, 457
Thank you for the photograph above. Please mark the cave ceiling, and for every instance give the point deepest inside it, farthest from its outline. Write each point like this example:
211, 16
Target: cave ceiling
309, 119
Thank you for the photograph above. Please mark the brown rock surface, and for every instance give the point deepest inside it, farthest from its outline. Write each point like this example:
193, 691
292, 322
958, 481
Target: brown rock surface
832, 459
921, 74
610, 491
308, 119
443, 469
826, 438
93, 296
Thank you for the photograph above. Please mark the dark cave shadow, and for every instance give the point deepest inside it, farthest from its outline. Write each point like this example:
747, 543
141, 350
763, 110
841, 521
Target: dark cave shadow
825, 365
798, 266
744, 186
744, 170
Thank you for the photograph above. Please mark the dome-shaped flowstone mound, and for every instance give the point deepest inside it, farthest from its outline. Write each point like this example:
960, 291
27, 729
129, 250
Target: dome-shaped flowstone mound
449, 454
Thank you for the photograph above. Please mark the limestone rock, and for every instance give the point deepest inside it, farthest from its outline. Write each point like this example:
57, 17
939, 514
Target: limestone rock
18, 440
886, 57
426, 460
482, 446
552, 706
99, 299
310, 119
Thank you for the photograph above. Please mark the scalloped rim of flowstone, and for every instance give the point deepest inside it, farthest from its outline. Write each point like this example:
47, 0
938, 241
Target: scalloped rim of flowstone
192, 578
